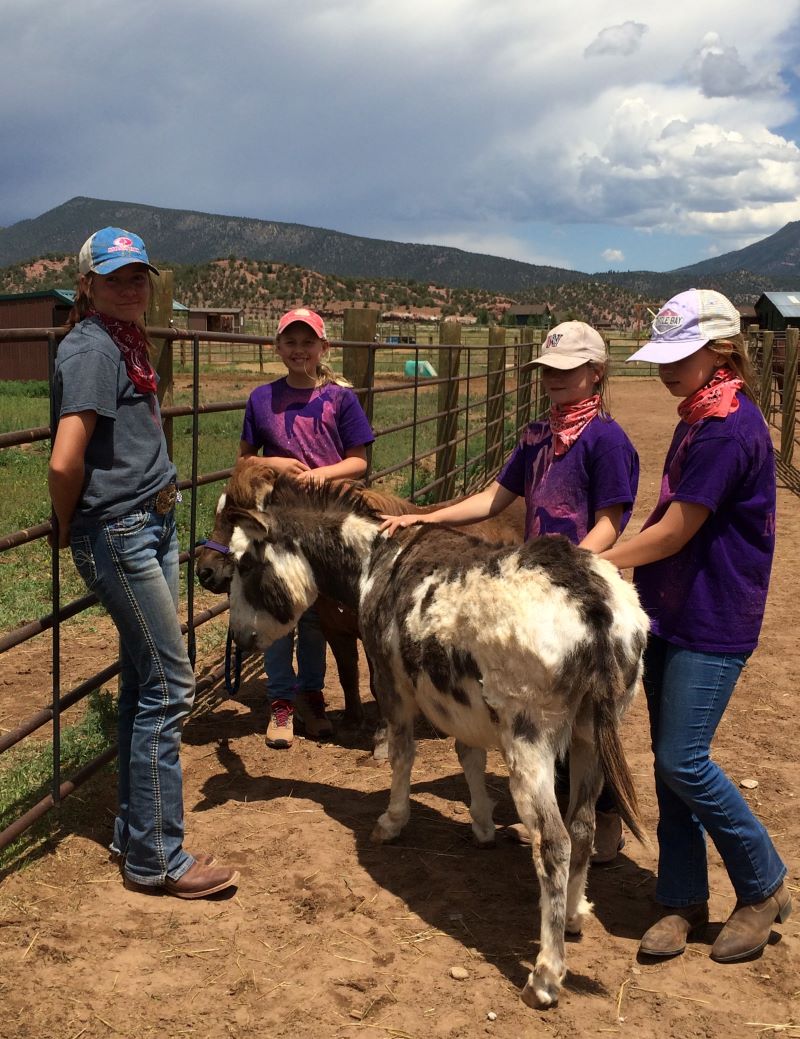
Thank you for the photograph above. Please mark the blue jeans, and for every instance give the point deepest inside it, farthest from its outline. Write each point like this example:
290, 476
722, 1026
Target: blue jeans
131, 564
282, 681
687, 693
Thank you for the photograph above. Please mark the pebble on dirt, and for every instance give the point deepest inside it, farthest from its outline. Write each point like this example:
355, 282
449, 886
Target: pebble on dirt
459, 973
748, 784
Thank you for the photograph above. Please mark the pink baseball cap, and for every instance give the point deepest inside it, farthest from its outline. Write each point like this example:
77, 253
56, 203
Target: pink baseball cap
308, 317
686, 322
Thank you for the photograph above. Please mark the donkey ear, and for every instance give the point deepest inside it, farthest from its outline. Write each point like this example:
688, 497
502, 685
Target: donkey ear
263, 486
251, 483
248, 527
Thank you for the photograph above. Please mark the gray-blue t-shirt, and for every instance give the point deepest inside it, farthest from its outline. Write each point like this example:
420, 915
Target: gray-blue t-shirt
126, 459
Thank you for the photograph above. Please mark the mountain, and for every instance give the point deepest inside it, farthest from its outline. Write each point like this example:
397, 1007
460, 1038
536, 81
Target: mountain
184, 236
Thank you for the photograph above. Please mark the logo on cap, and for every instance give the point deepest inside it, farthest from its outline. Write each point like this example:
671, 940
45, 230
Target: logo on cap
553, 340
123, 241
665, 321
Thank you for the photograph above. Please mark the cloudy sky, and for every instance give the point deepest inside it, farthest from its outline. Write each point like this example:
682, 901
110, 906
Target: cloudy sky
616, 135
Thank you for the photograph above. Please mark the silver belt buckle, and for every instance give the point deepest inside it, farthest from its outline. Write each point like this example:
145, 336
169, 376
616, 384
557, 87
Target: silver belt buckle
166, 498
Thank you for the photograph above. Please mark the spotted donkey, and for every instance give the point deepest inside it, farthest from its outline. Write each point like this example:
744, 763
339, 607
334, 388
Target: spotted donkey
531, 649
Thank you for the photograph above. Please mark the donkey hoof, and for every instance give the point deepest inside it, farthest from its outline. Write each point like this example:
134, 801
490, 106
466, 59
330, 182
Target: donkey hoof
382, 834
484, 843
540, 993
380, 752
577, 921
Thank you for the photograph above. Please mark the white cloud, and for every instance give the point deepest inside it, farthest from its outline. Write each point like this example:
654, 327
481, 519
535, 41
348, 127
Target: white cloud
613, 255
617, 40
458, 122
487, 240
720, 72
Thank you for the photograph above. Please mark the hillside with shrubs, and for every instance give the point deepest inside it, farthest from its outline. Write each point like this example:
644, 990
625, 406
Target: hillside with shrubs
264, 290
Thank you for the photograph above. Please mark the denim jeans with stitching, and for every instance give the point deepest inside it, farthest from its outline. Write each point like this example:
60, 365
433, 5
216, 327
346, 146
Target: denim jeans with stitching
131, 564
283, 683
687, 693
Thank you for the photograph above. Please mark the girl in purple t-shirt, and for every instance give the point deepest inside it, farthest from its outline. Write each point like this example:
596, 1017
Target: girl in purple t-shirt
702, 569
310, 425
578, 473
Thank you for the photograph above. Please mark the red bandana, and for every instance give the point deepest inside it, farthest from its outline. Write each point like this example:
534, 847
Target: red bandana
568, 421
133, 346
714, 400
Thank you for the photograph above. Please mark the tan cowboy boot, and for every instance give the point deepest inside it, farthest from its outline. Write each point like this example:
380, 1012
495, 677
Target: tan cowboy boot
667, 937
747, 929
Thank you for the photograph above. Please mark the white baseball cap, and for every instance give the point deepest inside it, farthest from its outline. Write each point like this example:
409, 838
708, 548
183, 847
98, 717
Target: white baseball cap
687, 322
571, 344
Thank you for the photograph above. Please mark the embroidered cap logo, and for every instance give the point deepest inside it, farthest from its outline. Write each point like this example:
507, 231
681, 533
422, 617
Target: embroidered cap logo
666, 321
553, 340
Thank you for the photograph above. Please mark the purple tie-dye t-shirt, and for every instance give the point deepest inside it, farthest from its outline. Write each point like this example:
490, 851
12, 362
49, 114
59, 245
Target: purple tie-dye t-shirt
563, 494
316, 426
710, 596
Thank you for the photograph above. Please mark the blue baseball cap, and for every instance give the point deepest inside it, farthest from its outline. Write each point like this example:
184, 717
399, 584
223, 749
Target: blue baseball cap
111, 248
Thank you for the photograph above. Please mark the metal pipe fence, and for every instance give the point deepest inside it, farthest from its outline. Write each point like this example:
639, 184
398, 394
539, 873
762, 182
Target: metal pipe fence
472, 418
775, 359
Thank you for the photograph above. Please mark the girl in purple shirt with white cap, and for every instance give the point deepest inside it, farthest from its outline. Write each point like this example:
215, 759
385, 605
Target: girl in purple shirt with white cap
578, 473
702, 564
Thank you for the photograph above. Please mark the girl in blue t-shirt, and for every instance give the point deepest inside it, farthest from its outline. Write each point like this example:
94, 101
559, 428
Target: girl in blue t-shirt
702, 562
113, 489
578, 473
309, 424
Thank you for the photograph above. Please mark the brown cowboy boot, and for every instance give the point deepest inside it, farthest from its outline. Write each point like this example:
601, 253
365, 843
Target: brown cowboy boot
667, 937
747, 929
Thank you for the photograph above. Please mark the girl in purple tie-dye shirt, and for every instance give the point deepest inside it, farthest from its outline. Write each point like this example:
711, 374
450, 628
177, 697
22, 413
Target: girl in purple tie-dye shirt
310, 425
702, 565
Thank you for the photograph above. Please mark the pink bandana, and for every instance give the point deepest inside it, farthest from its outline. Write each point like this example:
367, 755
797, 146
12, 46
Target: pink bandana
714, 400
133, 346
568, 421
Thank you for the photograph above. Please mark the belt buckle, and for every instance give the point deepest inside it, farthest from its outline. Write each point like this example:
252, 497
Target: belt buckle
166, 498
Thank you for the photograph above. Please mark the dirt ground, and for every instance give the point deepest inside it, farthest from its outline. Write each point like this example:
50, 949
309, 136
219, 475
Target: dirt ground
329, 935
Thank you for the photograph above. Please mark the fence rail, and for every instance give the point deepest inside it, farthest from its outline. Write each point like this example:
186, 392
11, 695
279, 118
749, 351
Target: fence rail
459, 423
448, 434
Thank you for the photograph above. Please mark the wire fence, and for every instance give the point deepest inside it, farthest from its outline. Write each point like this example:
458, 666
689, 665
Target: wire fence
444, 421
445, 417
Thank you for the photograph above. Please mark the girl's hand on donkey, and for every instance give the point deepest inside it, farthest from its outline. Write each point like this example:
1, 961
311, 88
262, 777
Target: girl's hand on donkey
393, 523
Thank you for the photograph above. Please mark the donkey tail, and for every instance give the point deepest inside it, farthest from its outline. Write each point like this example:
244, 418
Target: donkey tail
615, 767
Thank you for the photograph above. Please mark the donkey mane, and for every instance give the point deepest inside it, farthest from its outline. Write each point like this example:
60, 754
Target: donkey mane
329, 497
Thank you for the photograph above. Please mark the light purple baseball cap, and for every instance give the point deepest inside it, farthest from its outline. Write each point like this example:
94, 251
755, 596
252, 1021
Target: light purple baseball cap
686, 322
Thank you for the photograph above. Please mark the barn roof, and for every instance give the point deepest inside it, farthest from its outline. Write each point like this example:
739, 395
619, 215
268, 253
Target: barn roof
62, 295
786, 303
67, 296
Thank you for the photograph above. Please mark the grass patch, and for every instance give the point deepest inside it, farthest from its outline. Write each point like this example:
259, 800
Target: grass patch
26, 772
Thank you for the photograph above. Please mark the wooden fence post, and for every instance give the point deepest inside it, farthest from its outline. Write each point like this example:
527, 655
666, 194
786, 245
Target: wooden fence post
360, 326
788, 393
447, 424
495, 394
358, 362
524, 379
159, 315
765, 402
